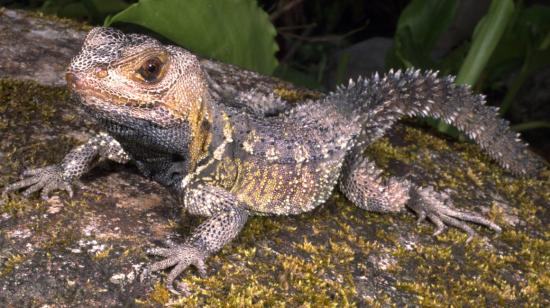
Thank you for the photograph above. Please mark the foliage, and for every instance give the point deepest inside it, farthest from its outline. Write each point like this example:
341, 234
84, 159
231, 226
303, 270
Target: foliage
525, 48
510, 40
234, 31
420, 26
486, 37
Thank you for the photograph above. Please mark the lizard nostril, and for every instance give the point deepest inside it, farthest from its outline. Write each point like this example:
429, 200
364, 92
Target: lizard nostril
71, 80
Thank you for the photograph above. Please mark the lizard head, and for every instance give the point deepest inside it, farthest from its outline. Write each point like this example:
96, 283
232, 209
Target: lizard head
135, 81
137, 76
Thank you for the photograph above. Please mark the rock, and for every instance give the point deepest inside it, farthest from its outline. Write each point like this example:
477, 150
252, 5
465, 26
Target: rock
37, 49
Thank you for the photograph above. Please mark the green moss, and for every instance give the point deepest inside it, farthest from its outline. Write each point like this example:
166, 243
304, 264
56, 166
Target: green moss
383, 152
484, 275
25, 105
12, 262
159, 294
295, 95
29, 101
102, 254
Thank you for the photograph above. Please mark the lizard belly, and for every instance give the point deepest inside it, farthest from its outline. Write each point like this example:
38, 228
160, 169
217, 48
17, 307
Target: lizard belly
276, 188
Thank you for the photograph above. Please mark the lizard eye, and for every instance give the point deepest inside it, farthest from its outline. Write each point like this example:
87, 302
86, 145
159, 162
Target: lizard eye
150, 69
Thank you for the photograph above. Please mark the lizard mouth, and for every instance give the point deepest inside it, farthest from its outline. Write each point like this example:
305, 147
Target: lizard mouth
83, 89
79, 88
124, 112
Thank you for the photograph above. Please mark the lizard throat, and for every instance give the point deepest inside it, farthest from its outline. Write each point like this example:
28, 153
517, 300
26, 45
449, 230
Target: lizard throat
200, 123
221, 135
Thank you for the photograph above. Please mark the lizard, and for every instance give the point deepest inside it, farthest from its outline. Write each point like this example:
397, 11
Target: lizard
227, 157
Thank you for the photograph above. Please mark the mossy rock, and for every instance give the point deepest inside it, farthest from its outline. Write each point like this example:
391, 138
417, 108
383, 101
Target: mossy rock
90, 250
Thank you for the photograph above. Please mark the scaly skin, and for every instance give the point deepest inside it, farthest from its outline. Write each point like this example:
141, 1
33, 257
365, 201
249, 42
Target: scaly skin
229, 155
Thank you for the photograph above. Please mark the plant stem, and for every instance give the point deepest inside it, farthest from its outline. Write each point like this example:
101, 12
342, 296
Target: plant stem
485, 40
531, 125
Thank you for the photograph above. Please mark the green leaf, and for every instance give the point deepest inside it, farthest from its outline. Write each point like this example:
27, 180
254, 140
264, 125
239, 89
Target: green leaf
233, 31
486, 37
419, 28
427, 20
530, 125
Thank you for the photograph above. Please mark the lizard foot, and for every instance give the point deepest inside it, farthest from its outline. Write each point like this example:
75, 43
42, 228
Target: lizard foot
437, 207
179, 256
46, 179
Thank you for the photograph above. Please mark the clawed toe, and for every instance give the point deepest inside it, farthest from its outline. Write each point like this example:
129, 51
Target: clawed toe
180, 257
34, 188
437, 207
158, 251
460, 225
440, 226
45, 180
33, 172
201, 267
174, 273
421, 217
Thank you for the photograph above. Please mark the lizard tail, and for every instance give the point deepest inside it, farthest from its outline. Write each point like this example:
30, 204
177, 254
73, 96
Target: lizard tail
380, 101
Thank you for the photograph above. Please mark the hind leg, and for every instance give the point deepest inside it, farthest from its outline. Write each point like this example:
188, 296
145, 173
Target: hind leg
363, 184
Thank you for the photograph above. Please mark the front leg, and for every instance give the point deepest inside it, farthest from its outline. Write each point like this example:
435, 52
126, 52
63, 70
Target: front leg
74, 165
227, 218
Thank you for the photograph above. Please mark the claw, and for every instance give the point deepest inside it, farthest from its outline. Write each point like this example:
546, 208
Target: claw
174, 273
201, 267
438, 208
32, 172
475, 218
45, 193
460, 225
144, 274
68, 189
160, 265
180, 257
20, 184
46, 179
34, 188
182, 287
440, 226
421, 217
